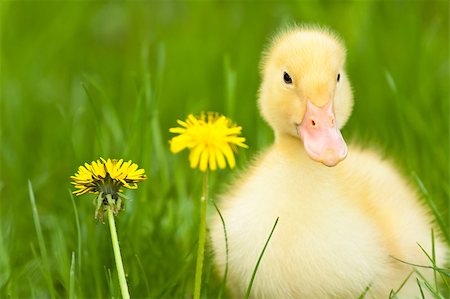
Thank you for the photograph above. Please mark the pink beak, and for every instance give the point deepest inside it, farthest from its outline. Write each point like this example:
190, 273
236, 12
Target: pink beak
322, 139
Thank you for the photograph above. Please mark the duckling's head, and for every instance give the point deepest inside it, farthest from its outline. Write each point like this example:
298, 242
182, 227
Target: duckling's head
305, 92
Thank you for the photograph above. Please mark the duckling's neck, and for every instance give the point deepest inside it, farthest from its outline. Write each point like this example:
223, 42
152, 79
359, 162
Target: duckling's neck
292, 151
291, 147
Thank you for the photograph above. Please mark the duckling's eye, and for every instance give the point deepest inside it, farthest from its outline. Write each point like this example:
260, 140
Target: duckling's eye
287, 78
339, 77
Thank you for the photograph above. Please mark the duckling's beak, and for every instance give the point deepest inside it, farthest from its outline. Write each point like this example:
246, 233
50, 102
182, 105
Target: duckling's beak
321, 137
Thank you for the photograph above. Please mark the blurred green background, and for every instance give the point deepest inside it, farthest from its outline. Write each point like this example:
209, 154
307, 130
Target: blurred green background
85, 79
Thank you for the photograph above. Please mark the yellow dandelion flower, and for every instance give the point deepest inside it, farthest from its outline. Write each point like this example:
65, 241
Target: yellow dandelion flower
106, 178
211, 139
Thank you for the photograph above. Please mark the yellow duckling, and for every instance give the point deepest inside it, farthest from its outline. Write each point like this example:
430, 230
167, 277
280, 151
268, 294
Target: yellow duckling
341, 229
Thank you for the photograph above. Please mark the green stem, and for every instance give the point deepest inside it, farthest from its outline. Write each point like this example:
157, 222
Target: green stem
118, 258
201, 238
250, 285
225, 275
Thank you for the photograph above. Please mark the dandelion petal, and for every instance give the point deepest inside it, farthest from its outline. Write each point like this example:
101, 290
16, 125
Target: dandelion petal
204, 160
212, 159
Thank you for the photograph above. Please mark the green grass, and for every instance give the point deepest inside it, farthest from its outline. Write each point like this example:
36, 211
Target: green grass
84, 79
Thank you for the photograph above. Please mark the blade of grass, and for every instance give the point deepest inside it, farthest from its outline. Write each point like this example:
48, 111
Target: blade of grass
433, 207
230, 87
250, 285
394, 293
33, 291
159, 148
96, 264
440, 270
4, 261
109, 115
93, 104
224, 280
72, 278
429, 287
109, 279
158, 142
61, 261
433, 259
420, 288
435, 267
77, 222
390, 81
160, 68
147, 286
428, 256
366, 290
40, 236
177, 277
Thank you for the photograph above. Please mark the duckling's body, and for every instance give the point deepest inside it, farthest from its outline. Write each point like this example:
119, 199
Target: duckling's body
339, 227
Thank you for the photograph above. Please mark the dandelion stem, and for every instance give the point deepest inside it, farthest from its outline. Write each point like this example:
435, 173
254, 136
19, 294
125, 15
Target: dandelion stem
117, 256
201, 238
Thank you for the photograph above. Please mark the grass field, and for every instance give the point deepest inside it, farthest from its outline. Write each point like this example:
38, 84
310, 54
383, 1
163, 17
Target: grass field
84, 79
